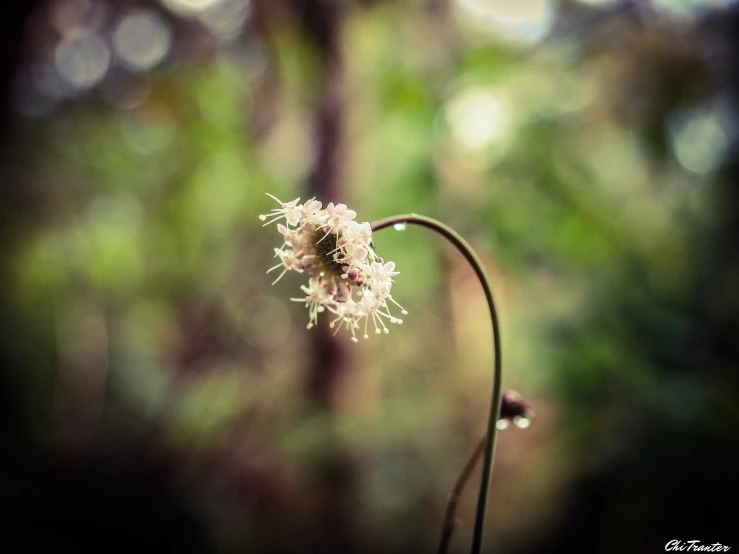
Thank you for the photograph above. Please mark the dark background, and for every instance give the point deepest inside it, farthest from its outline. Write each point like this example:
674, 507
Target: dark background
157, 394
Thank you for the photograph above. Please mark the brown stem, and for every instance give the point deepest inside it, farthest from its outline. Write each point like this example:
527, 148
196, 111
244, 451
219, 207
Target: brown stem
450, 521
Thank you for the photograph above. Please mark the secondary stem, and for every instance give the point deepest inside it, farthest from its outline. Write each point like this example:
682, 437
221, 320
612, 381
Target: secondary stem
451, 507
487, 469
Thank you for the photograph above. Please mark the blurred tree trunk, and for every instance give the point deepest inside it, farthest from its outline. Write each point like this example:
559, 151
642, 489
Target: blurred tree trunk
328, 366
333, 524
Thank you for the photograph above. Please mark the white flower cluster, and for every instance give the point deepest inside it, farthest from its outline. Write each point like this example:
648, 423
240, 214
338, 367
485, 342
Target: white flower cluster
347, 278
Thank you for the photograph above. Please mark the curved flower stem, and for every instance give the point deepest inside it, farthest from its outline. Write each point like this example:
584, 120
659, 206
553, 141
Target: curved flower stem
495, 404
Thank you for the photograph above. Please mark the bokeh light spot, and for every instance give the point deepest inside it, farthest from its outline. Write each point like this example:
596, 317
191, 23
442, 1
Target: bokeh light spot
684, 9
698, 139
478, 119
598, 2
142, 40
189, 7
49, 82
526, 21
226, 18
83, 61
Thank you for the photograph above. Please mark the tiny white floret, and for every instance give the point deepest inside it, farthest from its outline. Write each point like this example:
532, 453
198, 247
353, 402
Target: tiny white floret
347, 277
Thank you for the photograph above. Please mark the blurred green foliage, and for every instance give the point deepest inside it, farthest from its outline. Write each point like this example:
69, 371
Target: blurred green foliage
140, 275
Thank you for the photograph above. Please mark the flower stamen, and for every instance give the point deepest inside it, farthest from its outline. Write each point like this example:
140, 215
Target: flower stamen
338, 254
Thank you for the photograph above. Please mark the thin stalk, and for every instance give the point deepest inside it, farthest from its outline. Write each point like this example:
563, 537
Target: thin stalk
466, 250
450, 519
